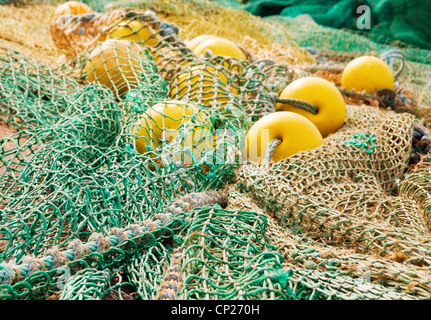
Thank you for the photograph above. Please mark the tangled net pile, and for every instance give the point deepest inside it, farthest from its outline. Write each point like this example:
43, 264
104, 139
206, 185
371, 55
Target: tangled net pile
83, 215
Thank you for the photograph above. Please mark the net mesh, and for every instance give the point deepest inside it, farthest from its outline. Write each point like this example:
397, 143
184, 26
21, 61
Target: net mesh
124, 177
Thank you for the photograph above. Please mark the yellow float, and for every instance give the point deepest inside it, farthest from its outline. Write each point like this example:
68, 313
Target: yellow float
367, 73
295, 133
116, 64
163, 122
133, 31
199, 140
192, 44
199, 83
323, 95
219, 46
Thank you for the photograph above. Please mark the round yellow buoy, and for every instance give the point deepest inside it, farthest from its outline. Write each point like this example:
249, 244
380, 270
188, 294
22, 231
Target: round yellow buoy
324, 95
116, 64
295, 132
367, 73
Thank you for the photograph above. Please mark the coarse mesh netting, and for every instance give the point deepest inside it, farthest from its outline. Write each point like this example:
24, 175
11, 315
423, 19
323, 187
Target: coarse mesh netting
125, 177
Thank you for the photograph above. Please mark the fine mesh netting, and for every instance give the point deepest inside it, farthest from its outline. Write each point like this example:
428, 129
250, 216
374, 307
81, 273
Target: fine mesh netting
125, 178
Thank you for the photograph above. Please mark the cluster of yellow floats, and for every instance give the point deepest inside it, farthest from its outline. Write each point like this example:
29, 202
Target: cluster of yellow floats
296, 128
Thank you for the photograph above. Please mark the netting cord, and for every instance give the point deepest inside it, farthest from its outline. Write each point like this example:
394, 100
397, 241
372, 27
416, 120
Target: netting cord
365, 141
88, 284
390, 56
248, 55
385, 96
325, 67
54, 258
298, 103
273, 144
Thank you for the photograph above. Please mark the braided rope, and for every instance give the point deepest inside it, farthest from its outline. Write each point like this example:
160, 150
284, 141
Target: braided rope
386, 98
336, 68
98, 243
270, 150
298, 103
172, 282
11, 273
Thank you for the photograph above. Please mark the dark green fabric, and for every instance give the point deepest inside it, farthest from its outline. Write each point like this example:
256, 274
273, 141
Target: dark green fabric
407, 21
334, 13
391, 20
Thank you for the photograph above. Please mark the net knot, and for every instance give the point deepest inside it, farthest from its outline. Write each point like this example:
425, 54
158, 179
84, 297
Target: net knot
365, 141
281, 277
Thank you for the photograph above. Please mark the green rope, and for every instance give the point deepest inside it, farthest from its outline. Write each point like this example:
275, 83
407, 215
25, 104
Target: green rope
147, 270
138, 237
270, 150
298, 103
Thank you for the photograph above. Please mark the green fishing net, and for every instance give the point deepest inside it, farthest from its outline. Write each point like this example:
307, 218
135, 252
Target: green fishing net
77, 174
